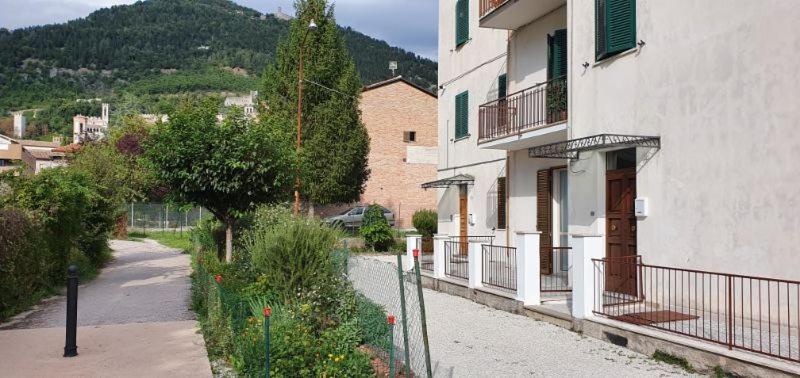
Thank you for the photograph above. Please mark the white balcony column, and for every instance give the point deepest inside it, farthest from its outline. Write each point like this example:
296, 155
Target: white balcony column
475, 264
438, 255
528, 269
586, 274
413, 241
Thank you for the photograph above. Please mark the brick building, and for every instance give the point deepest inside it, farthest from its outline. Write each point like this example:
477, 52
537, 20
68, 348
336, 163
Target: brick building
401, 119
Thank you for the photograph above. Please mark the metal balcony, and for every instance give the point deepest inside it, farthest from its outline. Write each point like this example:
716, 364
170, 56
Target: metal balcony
513, 14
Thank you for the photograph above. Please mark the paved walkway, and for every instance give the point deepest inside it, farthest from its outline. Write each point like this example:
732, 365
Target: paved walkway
472, 340
134, 320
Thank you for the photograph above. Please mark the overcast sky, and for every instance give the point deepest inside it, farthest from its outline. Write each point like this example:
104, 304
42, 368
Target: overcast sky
410, 24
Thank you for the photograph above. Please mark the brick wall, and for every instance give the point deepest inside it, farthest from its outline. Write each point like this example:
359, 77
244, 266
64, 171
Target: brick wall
388, 111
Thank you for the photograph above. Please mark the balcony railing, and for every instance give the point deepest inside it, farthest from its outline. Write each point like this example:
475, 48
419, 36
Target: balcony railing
487, 6
539, 105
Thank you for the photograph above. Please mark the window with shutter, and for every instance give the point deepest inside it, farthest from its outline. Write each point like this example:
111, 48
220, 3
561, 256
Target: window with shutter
501, 203
502, 86
462, 22
615, 27
544, 220
462, 115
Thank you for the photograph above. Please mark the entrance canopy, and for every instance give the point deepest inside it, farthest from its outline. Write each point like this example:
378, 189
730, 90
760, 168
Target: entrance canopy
448, 182
572, 148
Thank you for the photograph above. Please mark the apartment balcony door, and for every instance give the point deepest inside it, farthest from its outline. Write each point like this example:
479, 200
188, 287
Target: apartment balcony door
621, 222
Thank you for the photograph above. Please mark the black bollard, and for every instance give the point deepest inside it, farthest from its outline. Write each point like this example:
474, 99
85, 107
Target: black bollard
70, 346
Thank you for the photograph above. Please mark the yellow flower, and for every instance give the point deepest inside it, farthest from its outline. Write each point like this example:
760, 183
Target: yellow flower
336, 359
330, 355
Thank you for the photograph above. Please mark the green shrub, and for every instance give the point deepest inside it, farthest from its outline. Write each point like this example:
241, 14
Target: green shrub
23, 260
372, 323
375, 229
426, 222
294, 256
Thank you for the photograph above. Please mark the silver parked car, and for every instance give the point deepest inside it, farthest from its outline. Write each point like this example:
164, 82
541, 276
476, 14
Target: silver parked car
352, 218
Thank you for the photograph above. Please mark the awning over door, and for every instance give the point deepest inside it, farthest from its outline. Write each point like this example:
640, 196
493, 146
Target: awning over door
447, 182
572, 148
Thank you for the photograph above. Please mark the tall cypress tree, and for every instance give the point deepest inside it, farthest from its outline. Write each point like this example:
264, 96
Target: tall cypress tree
335, 143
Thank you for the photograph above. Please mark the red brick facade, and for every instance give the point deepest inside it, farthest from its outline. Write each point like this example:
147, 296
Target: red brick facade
388, 110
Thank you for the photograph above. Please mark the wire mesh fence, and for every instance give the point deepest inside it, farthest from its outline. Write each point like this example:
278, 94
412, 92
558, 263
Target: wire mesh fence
160, 217
396, 290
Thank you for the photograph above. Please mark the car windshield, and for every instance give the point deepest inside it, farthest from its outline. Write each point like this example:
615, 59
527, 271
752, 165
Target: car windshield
346, 211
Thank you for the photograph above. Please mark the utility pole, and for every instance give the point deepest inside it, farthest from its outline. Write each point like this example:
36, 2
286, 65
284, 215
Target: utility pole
300, 79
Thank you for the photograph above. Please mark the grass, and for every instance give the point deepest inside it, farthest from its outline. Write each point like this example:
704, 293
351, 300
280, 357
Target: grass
172, 239
673, 360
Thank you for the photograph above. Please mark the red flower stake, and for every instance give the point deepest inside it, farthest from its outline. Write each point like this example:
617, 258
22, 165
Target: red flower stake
390, 319
267, 312
416, 253
218, 278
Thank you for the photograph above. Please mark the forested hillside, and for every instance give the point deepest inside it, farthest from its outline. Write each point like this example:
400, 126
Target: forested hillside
164, 47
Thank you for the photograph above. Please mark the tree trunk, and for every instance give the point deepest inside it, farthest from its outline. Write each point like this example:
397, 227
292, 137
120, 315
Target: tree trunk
229, 241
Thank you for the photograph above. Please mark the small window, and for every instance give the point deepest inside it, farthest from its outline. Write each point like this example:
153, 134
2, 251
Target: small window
501, 203
462, 115
615, 27
409, 136
462, 22
502, 86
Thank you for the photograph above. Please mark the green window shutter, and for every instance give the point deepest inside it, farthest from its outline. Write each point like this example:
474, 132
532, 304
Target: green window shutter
462, 114
615, 26
502, 86
462, 21
501, 203
557, 54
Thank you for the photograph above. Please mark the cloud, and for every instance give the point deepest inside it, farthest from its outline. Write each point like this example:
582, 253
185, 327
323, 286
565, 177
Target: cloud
410, 24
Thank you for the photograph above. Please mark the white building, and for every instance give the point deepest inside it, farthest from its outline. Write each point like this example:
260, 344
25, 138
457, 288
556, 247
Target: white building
20, 124
247, 103
90, 128
643, 133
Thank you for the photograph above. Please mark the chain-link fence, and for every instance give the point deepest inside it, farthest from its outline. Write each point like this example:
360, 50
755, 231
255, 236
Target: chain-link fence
396, 289
160, 217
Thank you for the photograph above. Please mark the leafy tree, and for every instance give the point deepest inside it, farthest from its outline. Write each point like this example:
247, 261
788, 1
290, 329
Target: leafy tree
335, 144
375, 229
228, 167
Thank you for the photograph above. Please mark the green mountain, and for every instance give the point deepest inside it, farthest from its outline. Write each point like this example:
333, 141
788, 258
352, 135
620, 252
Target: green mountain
164, 47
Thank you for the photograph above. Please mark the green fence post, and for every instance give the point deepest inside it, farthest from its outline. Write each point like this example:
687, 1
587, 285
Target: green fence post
422, 314
403, 312
391, 321
267, 313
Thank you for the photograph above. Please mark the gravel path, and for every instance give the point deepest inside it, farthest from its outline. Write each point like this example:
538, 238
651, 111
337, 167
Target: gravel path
471, 340
146, 282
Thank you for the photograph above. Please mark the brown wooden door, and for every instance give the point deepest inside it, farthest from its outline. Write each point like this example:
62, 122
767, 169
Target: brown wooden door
544, 219
621, 231
463, 219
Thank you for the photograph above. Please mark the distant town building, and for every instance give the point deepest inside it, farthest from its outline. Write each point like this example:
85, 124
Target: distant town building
248, 103
282, 16
20, 123
90, 128
36, 155
152, 119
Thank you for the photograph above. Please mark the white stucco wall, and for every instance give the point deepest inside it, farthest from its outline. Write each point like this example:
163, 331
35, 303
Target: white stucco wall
718, 83
528, 58
474, 67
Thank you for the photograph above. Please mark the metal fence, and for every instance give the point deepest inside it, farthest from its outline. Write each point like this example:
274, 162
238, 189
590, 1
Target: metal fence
484, 239
755, 314
387, 283
425, 247
555, 275
456, 259
159, 216
499, 268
